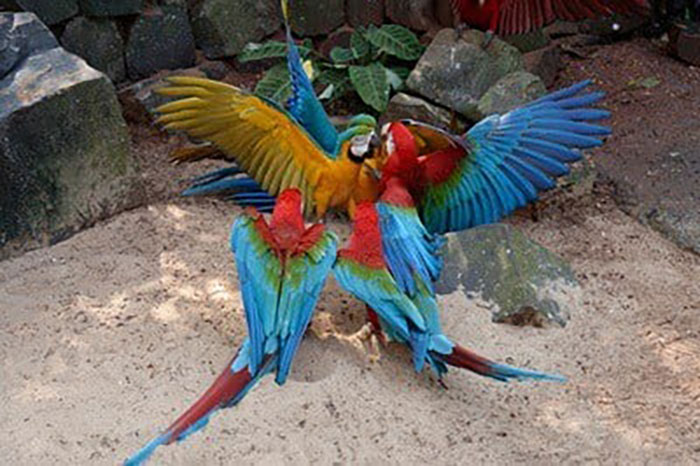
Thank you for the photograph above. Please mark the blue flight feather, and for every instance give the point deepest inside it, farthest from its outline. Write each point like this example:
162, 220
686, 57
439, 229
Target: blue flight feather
512, 157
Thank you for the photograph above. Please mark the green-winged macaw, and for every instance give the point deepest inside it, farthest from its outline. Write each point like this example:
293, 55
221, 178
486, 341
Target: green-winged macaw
282, 266
433, 183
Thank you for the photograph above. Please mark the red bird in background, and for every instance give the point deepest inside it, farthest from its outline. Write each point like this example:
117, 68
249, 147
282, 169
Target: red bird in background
507, 17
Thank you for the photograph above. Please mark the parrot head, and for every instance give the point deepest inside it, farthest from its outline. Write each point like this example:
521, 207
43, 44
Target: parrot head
362, 136
401, 151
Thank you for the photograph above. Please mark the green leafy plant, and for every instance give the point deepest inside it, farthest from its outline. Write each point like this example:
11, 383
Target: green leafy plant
377, 62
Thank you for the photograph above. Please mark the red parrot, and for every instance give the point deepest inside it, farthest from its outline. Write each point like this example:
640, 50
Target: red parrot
507, 17
282, 266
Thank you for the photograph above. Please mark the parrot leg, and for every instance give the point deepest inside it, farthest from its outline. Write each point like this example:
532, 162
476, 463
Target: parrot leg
488, 38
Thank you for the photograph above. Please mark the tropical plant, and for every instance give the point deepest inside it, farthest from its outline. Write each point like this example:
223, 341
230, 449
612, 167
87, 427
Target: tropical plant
376, 63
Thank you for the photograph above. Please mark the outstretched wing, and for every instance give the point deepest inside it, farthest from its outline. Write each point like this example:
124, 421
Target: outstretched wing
279, 294
509, 159
261, 137
304, 104
522, 16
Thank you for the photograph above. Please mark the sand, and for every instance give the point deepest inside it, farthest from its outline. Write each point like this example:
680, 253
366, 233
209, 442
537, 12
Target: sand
107, 337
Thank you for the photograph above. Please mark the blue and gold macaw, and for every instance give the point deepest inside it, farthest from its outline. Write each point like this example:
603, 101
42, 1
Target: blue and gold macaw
277, 148
282, 266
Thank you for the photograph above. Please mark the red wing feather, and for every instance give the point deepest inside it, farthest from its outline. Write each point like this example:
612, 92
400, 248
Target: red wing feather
522, 16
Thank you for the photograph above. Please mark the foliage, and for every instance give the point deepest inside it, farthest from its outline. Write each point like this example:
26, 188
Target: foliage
376, 63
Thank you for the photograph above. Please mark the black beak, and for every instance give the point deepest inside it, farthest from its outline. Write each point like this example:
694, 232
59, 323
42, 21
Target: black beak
374, 143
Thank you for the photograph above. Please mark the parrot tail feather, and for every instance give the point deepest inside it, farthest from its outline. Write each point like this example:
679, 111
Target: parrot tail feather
227, 390
465, 359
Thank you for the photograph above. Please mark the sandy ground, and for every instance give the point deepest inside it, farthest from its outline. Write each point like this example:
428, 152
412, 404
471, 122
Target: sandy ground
107, 337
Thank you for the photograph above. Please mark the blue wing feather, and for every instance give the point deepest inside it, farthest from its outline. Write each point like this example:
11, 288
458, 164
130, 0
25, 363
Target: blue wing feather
513, 156
304, 104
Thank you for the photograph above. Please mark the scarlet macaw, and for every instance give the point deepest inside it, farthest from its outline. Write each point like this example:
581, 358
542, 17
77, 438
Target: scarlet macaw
507, 17
499, 165
434, 182
282, 267
390, 263
297, 147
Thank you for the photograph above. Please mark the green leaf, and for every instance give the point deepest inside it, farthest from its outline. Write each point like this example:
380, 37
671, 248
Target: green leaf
336, 83
371, 84
342, 55
275, 85
270, 49
397, 41
359, 45
395, 81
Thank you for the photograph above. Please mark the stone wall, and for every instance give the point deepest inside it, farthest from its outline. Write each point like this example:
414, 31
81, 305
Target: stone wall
132, 39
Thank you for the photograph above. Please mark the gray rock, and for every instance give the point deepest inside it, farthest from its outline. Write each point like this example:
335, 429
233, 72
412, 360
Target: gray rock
528, 42
223, 27
49, 11
311, 18
456, 71
161, 39
686, 45
365, 12
405, 106
511, 91
98, 42
414, 14
520, 280
21, 35
545, 63
64, 149
111, 7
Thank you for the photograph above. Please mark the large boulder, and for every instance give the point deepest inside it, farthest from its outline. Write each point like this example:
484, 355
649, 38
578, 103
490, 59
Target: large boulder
365, 12
223, 27
160, 39
414, 14
64, 146
97, 41
456, 71
406, 106
521, 281
511, 91
111, 7
49, 11
309, 18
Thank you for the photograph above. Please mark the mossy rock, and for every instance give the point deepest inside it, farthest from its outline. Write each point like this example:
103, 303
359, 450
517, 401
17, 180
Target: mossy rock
64, 150
520, 280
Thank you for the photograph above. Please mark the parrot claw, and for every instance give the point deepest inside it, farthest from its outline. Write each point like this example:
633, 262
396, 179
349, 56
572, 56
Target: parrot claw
369, 339
488, 38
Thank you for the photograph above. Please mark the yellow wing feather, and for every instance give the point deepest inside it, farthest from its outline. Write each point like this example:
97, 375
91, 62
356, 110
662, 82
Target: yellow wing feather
263, 140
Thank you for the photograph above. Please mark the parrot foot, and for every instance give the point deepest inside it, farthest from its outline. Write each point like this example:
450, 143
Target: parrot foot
368, 338
488, 38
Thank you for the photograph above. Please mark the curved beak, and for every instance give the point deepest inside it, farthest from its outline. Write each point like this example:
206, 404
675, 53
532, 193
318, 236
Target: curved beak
374, 142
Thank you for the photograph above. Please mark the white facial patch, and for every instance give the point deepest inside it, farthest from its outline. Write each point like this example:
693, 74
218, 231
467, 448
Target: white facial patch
385, 130
390, 144
360, 145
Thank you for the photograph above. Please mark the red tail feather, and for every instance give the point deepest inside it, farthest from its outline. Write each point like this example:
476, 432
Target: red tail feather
225, 388
462, 357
